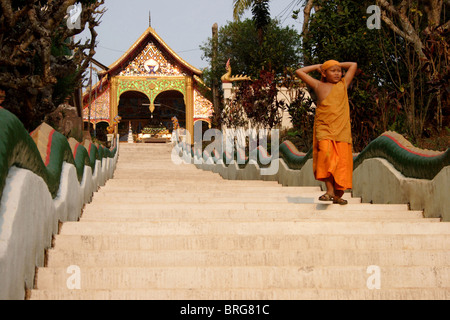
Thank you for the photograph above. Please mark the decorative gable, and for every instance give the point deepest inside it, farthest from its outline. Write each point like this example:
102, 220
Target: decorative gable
151, 62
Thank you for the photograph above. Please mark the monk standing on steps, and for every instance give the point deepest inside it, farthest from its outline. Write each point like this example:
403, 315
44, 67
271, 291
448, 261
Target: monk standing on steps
332, 142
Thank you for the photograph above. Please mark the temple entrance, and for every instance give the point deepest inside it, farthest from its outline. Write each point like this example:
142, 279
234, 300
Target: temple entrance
134, 110
169, 104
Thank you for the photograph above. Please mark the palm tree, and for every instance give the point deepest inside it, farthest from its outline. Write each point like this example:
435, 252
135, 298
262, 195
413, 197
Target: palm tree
260, 12
239, 7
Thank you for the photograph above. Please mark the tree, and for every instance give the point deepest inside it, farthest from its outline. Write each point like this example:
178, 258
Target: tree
429, 38
239, 7
338, 30
409, 62
238, 41
259, 101
260, 12
40, 65
402, 22
261, 17
309, 6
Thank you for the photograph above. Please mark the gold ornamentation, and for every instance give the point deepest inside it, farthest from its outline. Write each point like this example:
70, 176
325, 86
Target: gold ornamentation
176, 125
203, 108
114, 123
228, 78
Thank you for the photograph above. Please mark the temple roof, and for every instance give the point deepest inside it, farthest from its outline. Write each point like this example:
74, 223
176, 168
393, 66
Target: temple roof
149, 34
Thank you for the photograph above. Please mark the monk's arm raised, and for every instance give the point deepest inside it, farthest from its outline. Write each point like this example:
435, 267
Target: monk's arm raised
351, 67
302, 73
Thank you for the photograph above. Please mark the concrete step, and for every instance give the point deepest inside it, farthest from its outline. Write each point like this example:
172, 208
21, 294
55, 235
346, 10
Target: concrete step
246, 215
254, 228
212, 194
282, 193
212, 207
174, 181
165, 231
245, 294
254, 242
168, 187
223, 258
162, 178
348, 277
149, 197
229, 192
257, 242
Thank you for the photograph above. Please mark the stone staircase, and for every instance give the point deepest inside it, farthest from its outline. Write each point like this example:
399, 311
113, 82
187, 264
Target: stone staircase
163, 231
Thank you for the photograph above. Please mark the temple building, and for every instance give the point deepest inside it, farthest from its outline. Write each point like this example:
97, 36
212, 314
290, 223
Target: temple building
146, 87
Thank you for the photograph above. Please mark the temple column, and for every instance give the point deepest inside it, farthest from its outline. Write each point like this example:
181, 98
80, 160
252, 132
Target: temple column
190, 108
113, 111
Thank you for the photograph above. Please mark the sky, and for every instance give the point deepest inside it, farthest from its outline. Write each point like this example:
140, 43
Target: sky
183, 24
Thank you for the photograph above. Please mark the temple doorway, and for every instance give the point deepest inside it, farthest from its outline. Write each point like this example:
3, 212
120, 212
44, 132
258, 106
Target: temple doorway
134, 110
169, 104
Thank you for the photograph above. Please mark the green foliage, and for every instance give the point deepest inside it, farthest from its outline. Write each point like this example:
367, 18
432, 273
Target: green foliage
41, 67
396, 88
238, 41
339, 31
259, 100
301, 111
261, 17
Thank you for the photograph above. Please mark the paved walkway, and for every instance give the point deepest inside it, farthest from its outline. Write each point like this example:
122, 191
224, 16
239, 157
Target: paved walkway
165, 231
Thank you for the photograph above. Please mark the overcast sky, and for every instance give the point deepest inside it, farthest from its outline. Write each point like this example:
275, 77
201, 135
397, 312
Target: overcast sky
183, 24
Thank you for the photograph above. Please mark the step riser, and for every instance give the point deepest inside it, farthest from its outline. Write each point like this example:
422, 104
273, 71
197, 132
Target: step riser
58, 258
171, 179
252, 228
165, 187
155, 194
261, 200
274, 294
240, 242
212, 207
245, 216
245, 277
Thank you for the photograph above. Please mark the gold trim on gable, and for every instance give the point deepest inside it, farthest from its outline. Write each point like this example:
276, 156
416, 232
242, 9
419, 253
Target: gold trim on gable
151, 31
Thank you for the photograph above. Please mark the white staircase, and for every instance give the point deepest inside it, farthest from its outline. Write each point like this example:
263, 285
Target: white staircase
163, 231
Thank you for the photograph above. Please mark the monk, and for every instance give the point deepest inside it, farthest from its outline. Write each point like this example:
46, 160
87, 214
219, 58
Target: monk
332, 138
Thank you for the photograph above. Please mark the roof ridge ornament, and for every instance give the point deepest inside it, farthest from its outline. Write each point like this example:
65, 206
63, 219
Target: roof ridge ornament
227, 77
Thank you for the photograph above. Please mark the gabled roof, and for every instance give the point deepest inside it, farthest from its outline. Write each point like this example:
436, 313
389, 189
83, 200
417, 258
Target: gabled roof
146, 36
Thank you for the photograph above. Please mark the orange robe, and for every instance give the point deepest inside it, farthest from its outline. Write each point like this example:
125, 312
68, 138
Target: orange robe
332, 141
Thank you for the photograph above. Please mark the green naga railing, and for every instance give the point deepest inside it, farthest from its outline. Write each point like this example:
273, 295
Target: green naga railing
292, 157
410, 161
17, 148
